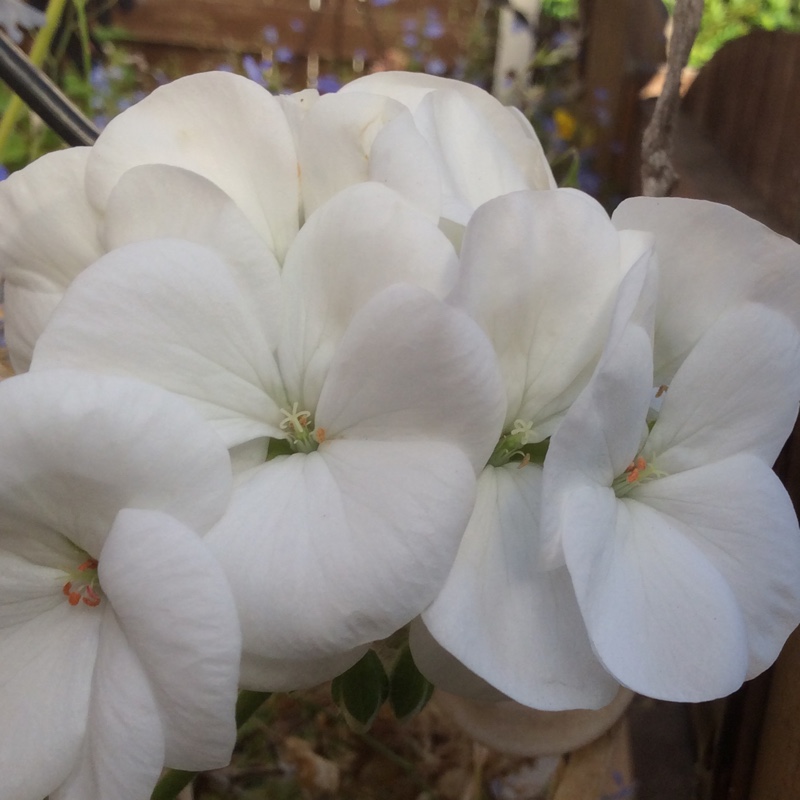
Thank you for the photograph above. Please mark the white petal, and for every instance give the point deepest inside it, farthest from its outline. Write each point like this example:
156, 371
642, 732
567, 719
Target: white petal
539, 274
363, 240
661, 617
148, 306
76, 447
508, 125
222, 126
444, 670
27, 311
711, 258
46, 666
517, 627
411, 368
737, 391
155, 201
335, 139
474, 166
177, 613
740, 516
49, 229
123, 748
603, 429
401, 159
343, 546
262, 673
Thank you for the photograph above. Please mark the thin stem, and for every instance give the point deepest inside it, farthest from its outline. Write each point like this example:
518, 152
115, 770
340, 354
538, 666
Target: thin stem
174, 780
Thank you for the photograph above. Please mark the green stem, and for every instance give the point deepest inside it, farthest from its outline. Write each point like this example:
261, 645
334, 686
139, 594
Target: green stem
173, 780
38, 54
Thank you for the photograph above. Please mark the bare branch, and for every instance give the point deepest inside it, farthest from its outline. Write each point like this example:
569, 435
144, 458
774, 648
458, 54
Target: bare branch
658, 175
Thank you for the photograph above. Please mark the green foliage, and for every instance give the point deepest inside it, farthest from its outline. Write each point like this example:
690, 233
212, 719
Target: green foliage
560, 9
724, 20
361, 691
409, 690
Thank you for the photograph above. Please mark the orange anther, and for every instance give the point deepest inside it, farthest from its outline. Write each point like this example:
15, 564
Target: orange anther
319, 435
641, 463
633, 476
661, 389
67, 588
525, 461
90, 563
74, 598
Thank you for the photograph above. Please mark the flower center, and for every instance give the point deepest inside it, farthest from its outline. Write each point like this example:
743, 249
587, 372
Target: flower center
83, 585
300, 431
518, 444
637, 472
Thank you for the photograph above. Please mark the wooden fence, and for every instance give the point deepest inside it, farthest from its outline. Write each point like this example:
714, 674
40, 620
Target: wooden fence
747, 101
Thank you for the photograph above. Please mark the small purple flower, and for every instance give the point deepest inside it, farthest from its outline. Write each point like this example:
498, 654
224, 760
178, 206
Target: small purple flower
410, 40
434, 29
601, 94
297, 25
589, 181
3, 172
328, 83
270, 34
224, 68
283, 54
436, 66
253, 70
381, 3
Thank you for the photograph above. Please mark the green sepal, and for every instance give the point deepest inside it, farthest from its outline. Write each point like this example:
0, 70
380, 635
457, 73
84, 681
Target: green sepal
409, 689
361, 691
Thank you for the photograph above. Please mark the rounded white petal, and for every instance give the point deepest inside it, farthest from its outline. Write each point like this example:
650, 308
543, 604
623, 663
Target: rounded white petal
147, 307
262, 673
122, 752
444, 670
410, 368
221, 126
516, 626
474, 166
711, 258
334, 143
46, 665
177, 612
401, 159
49, 234
737, 391
363, 240
49, 231
508, 125
27, 312
343, 546
539, 273
739, 515
660, 615
604, 428
76, 447
155, 201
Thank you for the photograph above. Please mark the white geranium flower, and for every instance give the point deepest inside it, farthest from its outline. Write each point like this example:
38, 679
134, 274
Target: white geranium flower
119, 641
682, 545
385, 401
540, 271
711, 258
446, 145
211, 151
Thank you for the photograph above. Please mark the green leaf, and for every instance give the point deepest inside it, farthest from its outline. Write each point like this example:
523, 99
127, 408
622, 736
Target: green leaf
360, 692
409, 689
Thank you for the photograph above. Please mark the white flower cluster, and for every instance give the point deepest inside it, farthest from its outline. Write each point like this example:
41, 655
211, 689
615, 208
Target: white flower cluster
296, 372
